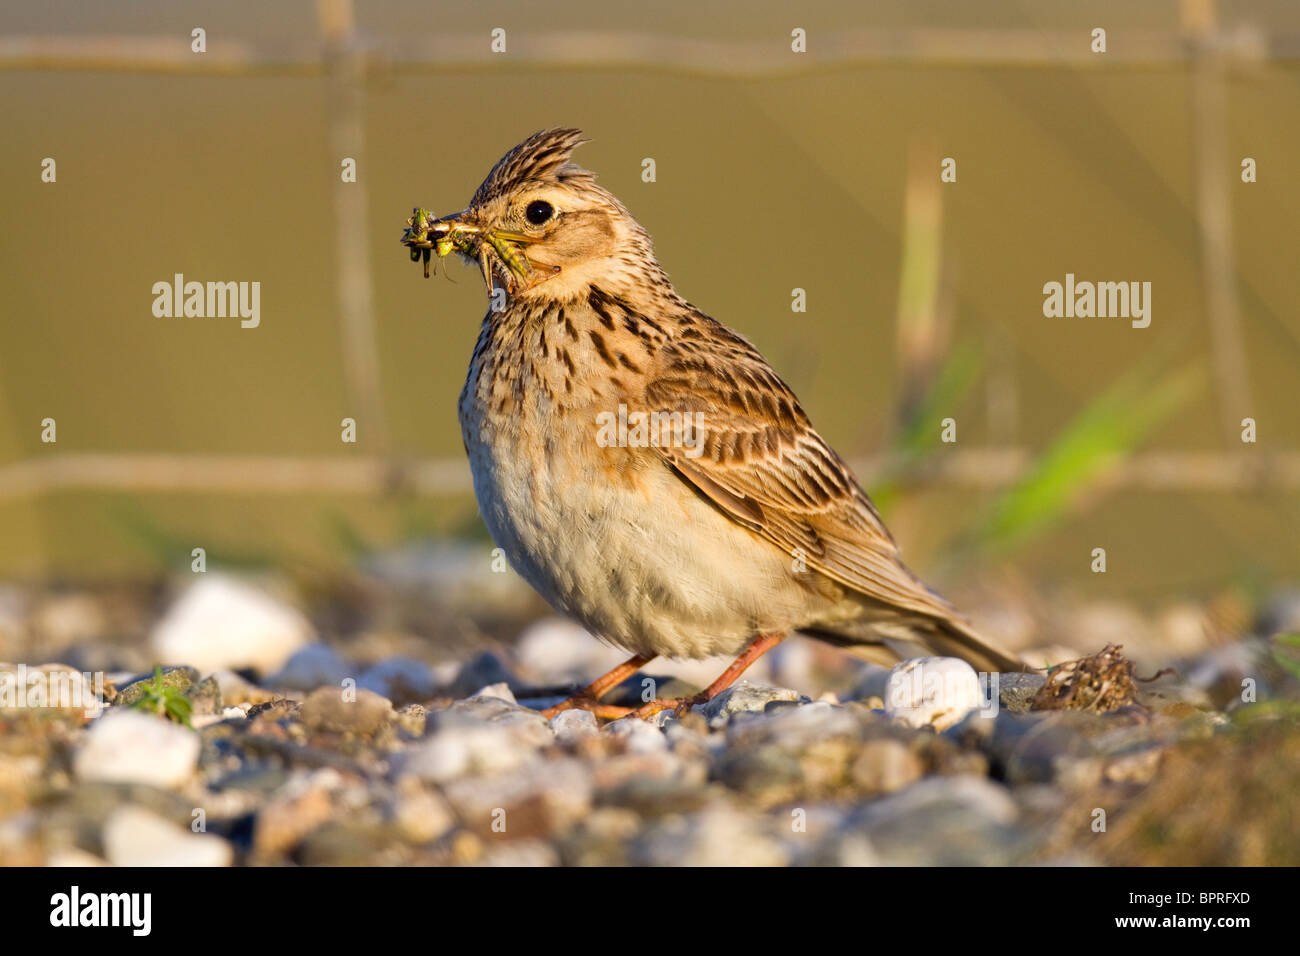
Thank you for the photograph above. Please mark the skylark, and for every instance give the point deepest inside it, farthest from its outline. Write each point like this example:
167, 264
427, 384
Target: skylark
642, 465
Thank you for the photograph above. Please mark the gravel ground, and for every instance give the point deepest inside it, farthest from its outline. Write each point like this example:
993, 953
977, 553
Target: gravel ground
330, 760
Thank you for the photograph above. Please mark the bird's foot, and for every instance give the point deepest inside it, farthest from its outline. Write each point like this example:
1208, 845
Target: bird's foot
585, 701
678, 705
589, 697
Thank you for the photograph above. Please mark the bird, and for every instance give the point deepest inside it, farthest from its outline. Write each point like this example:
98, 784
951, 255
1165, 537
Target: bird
642, 466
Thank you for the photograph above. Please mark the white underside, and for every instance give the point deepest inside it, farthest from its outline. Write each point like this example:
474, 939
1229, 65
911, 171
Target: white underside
653, 568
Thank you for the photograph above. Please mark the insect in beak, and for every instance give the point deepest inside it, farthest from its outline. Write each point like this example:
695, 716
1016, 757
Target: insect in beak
425, 235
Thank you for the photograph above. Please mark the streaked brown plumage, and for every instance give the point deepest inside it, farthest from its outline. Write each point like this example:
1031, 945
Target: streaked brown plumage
691, 549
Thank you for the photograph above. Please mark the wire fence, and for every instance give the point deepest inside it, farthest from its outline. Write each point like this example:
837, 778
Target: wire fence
348, 61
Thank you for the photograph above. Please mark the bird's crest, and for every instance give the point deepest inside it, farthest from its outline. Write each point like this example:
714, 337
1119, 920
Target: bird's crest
542, 157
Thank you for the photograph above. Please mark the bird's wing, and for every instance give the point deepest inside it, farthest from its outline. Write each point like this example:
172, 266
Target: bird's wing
762, 463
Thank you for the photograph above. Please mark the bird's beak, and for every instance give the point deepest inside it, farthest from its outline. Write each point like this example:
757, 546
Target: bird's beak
495, 250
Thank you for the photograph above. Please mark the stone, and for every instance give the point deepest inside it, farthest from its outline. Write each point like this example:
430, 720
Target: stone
313, 666
361, 712
520, 853
134, 747
420, 815
870, 683
719, 836
135, 837
205, 697
573, 725
943, 821
414, 719
176, 678
885, 765
236, 691
71, 856
460, 750
1045, 747
221, 622
292, 812
528, 725
501, 691
535, 799
1016, 690
402, 680
636, 735
482, 671
932, 691
742, 697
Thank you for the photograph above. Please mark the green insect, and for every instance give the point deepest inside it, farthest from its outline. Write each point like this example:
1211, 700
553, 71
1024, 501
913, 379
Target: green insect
425, 235
416, 236
509, 247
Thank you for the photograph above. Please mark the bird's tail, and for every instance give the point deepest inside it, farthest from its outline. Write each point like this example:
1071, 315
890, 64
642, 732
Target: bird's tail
886, 642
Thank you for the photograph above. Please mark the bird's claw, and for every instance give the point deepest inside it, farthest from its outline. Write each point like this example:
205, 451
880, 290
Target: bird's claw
678, 705
589, 703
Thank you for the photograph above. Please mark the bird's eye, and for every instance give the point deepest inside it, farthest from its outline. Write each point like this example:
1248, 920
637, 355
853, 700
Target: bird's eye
538, 211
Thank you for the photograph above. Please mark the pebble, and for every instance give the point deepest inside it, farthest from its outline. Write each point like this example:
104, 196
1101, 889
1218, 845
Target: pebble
401, 679
943, 821
464, 749
136, 837
1039, 747
1015, 690
520, 853
637, 736
482, 671
759, 776
71, 856
176, 678
360, 712
572, 725
886, 765
421, 815
294, 811
313, 666
714, 837
500, 691
134, 747
222, 622
535, 800
932, 691
742, 697
236, 691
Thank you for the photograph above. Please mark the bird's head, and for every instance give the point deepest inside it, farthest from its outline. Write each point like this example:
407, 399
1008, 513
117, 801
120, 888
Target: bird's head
538, 225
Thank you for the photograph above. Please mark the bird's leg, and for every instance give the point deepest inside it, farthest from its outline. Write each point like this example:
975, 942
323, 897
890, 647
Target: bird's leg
756, 649
589, 697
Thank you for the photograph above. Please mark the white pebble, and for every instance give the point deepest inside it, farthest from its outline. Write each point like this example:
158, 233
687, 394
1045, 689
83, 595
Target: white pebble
570, 725
316, 665
135, 747
220, 622
638, 736
467, 749
932, 691
136, 837
500, 691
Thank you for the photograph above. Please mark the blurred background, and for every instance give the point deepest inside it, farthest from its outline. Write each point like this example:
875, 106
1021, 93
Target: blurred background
774, 171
